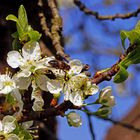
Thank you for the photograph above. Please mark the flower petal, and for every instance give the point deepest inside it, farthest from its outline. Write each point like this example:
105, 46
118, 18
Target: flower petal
27, 125
38, 104
75, 66
7, 84
13, 137
55, 86
23, 82
31, 51
14, 59
1, 126
41, 81
74, 97
36, 95
8, 124
106, 92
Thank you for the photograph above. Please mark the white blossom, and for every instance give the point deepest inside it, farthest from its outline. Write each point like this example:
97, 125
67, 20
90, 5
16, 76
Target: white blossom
7, 84
74, 119
7, 125
77, 88
106, 98
32, 66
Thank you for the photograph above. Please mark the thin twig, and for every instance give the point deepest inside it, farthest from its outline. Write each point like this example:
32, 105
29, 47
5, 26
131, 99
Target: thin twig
56, 30
43, 20
87, 11
90, 127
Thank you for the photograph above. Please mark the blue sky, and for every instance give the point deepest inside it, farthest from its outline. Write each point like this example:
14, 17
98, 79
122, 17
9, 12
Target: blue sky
94, 29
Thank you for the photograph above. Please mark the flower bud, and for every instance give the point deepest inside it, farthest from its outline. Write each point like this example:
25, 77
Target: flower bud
74, 119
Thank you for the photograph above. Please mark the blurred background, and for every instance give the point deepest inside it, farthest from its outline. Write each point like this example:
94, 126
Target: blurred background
98, 44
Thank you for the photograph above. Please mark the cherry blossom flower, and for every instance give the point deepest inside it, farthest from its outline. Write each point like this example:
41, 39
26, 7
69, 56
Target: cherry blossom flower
32, 66
7, 84
77, 88
7, 125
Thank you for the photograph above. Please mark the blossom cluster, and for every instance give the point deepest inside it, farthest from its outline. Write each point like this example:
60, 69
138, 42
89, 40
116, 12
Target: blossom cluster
73, 83
33, 70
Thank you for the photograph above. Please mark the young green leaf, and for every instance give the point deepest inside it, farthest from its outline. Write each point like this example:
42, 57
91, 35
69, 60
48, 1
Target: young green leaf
16, 44
22, 17
137, 27
12, 17
132, 58
121, 76
133, 36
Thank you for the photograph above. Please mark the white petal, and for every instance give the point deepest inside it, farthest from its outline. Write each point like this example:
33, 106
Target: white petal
1, 126
36, 95
91, 89
23, 82
37, 105
13, 137
16, 94
106, 92
27, 125
14, 59
6, 90
41, 82
77, 81
1, 85
8, 124
31, 51
40, 64
75, 66
49, 59
54, 86
58, 72
7, 84
23, 73
76, 99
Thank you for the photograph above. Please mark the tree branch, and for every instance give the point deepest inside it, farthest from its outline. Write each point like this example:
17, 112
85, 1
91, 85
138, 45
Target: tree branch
87, 11
56, 30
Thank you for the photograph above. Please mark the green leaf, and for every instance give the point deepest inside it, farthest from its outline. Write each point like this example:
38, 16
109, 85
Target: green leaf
15, 35
30, 36
18, 25
34, 35
133, 36
132, 58
16, 44
121, 76
12, 17
22, 17
22, 133
137, 27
